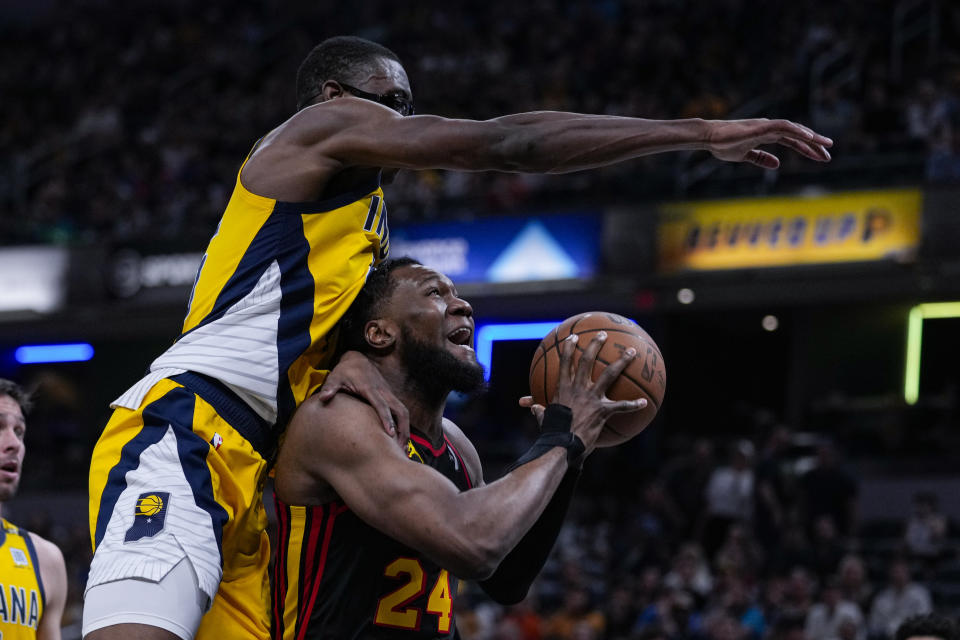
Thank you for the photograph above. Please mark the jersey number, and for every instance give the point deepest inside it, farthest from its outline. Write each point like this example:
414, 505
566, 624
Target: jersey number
391, 609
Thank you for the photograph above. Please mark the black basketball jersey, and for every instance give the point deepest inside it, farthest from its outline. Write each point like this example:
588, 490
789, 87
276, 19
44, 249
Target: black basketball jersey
338, 578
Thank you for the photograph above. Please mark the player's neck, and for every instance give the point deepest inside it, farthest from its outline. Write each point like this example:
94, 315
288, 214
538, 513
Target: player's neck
425, 405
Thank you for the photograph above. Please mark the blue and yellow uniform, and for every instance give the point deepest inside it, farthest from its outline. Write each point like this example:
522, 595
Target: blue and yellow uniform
21, 587
338, 577
199, 431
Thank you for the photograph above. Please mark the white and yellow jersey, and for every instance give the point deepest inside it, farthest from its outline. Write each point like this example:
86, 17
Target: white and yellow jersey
21, 587
274, 281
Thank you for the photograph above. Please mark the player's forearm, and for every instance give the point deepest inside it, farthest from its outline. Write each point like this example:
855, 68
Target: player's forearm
552, 142
511, 581
492, 519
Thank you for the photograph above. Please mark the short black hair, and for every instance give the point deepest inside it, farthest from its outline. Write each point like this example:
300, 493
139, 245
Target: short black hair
368, 305
342, 58
15, 391
931, 624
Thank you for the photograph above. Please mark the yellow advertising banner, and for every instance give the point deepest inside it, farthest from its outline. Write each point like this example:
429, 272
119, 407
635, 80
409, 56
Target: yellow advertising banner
786, 231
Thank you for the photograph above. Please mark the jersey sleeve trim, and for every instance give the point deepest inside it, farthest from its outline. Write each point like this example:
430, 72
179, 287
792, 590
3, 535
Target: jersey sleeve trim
35, 559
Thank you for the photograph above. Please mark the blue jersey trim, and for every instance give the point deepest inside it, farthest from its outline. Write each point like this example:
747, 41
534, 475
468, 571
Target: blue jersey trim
35, 559
231, 408
331, 203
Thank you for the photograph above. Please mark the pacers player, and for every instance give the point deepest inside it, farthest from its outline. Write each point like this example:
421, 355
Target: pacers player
33, 577
371, 536
305, 224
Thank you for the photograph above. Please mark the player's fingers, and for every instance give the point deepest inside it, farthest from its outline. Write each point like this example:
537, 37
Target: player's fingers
762, 159
810, 150
799, 131
401, 418
624, 406
386, 416
538, 410
526, 402
567, 350
614, 369
329, 390
588, 359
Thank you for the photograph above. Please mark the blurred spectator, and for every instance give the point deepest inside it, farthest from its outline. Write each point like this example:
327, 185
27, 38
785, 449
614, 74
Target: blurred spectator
790, 628
853, 582
674, 613
740, 556
829, 617
577, 618
798, 594
829, 490
737, 602
522, 620
926, 530
827, 547
686, 479
771, 497
898, 601
690, 572
620, 613
729, 496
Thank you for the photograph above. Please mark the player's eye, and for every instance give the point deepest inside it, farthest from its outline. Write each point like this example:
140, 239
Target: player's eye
433, 291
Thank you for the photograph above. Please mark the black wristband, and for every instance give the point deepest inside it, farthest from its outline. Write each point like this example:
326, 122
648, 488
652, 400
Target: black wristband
555, 433
557, 417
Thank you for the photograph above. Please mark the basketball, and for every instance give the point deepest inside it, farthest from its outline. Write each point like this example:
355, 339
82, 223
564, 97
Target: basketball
645, 377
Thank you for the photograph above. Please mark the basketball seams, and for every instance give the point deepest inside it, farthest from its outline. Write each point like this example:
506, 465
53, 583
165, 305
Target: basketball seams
628, 377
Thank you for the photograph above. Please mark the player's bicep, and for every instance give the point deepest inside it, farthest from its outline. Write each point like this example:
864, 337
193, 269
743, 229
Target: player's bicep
348, 450
370, 135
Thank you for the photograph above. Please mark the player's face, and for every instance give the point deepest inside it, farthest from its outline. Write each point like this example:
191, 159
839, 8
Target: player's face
388, 78
12, 429
426, 305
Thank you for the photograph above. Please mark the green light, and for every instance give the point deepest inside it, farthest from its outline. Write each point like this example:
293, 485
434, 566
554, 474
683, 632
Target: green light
921, 312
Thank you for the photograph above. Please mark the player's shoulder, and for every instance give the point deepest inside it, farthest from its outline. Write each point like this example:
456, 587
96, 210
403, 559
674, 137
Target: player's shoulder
47, 552
339, 412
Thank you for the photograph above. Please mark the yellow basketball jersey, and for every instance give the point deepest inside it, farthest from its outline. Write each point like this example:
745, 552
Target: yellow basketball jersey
274, 281
21, 588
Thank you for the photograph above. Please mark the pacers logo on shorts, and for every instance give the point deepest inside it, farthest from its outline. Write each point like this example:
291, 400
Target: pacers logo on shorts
148, 515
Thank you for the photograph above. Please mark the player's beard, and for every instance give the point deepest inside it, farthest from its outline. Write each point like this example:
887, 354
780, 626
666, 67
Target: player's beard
435, 371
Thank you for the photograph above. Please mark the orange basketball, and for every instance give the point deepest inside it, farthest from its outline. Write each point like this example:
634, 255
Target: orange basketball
645, 377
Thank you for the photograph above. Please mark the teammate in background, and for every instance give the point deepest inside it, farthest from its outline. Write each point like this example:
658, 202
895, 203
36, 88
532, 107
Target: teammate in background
176, 517
33, 576
370, 534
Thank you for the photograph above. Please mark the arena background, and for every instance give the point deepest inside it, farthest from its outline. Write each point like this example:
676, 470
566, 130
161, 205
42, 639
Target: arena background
782, 301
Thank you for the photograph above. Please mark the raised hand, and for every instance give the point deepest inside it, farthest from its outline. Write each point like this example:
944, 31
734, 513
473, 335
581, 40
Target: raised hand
737, 141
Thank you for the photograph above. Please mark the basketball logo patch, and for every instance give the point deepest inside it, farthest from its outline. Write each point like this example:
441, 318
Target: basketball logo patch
148, 515
19, 557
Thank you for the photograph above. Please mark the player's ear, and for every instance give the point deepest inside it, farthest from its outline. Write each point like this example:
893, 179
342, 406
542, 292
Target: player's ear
331, 89
381, 333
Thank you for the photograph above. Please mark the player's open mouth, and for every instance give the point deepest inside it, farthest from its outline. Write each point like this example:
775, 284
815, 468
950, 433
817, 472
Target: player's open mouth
462, 336
10, 467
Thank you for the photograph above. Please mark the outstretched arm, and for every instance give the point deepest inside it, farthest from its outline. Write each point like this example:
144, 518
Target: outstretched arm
349, 132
